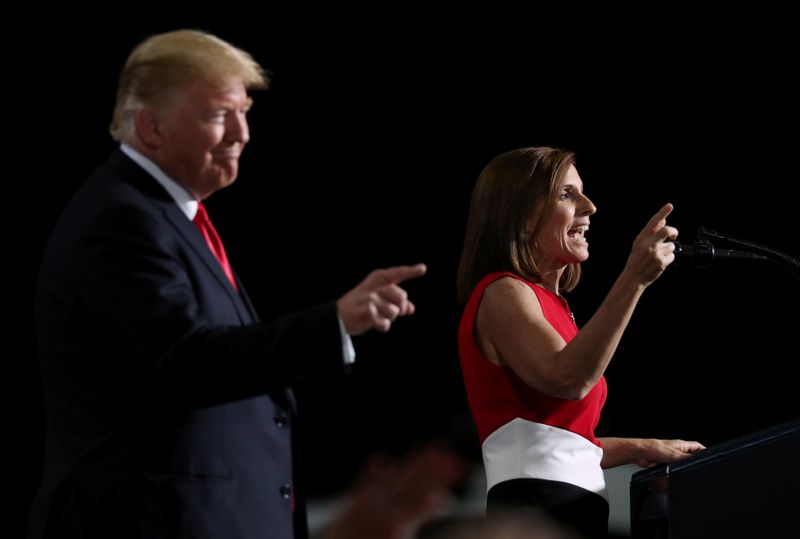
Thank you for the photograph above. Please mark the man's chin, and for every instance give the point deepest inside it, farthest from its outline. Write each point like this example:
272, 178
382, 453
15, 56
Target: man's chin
214, 184
226, 175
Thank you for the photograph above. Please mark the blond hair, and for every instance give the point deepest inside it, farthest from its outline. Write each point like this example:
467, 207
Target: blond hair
167, 62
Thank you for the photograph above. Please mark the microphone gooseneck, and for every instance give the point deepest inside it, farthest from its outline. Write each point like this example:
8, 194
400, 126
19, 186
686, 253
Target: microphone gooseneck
703, 253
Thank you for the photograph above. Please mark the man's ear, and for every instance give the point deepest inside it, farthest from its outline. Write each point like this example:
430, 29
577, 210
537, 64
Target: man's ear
148, 128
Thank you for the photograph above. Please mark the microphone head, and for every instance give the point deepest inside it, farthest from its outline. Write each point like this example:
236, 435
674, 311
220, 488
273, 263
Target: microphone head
701, 253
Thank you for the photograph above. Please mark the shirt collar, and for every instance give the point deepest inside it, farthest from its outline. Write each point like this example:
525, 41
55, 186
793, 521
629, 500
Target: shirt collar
185, 201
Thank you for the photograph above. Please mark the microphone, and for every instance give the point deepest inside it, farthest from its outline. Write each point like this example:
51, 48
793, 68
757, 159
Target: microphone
703, 253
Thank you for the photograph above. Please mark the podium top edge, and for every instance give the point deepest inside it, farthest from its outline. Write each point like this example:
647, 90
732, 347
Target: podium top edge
769, 435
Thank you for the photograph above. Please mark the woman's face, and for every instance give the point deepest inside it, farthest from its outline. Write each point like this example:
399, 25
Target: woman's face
562, 240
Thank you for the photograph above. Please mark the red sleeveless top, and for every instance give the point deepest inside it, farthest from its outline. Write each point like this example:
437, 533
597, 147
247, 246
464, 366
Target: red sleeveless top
496, 395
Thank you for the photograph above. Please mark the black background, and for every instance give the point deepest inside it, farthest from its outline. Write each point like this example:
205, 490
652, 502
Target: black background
364, 153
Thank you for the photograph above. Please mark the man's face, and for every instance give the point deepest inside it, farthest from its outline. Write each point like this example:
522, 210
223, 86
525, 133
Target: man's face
203, 132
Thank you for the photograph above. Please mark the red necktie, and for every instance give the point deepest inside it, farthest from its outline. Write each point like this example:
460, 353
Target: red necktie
203, 224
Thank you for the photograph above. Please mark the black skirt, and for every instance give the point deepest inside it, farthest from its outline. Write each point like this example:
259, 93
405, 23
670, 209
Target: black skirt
575, 509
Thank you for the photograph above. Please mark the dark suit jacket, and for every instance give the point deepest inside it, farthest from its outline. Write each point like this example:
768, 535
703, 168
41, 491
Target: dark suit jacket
168, 413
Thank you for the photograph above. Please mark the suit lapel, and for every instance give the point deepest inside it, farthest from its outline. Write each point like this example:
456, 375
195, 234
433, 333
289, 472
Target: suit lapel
192, 236
185, 228
245, 298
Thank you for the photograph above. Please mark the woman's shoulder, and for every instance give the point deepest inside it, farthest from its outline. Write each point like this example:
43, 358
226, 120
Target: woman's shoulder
507, 287
500, 277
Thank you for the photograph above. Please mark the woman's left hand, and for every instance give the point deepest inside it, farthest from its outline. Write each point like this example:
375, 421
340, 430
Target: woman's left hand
653, 451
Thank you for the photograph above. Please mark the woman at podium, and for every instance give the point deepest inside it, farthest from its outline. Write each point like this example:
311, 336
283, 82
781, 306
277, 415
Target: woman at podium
534, 381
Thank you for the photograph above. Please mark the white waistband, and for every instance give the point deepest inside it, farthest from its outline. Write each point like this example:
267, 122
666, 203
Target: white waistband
522, 448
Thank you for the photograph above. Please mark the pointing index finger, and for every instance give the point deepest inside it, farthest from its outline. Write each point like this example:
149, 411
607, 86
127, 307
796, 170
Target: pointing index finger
665, 210
396, 274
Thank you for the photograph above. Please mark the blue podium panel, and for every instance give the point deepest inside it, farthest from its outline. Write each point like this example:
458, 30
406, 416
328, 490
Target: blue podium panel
748, 487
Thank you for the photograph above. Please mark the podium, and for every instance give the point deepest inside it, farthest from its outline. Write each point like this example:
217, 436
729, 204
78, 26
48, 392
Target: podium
748, 487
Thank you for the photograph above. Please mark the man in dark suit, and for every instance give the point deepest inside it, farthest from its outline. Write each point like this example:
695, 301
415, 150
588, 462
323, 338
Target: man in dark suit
169, 412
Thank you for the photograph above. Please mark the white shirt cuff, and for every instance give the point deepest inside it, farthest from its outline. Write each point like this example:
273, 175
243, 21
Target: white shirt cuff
348, 352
